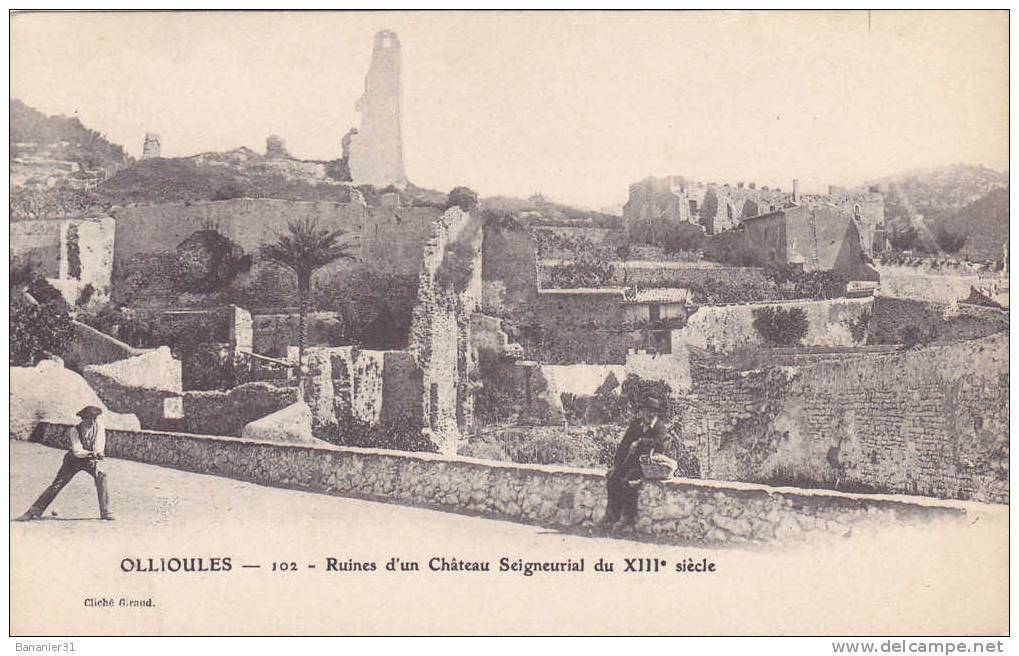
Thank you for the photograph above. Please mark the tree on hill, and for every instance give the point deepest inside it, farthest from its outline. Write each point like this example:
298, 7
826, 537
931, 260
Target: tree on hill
949, 242
463, 197
906, 239
305, 249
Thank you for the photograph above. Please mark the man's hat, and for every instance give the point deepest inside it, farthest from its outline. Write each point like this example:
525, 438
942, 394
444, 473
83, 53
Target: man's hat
90, 411
652, 403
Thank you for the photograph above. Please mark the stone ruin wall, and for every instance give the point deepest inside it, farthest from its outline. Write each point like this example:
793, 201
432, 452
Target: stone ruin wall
393, 238
38, 242
248, 222
725, 328
389, 238
922, 283
430, 382
344, 383
71, 253
440, 331
669, 200
932, 422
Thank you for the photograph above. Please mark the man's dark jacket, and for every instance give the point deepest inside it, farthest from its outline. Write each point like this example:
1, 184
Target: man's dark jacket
637, 441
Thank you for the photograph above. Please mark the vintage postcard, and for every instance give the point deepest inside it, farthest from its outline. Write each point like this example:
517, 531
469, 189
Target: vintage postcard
509, 323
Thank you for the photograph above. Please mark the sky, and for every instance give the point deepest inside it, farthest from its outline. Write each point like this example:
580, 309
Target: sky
575, 105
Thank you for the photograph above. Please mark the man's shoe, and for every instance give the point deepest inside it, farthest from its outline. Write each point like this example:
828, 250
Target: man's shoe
108, 517
28, 516
624, 524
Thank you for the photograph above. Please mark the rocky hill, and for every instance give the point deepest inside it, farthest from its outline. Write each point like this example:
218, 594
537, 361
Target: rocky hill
538, 210
36, 135
222, 176
963, 199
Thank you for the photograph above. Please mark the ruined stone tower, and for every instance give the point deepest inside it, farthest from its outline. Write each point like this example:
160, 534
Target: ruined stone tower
376, 151
276, 148
152, 146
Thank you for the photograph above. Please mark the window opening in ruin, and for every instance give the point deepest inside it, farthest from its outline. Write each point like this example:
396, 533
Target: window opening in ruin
654, 312
73, 253
661, 342
433, 405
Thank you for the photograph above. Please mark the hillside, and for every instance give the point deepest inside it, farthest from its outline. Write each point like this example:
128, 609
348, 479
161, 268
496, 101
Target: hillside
539, 211
963, 199
985, 224
187, 179
34, 134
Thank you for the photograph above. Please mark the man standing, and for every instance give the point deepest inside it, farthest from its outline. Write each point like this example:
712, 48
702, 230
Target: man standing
88, 445
645, 434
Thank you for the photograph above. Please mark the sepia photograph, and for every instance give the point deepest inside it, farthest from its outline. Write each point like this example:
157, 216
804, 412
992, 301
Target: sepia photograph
501, 323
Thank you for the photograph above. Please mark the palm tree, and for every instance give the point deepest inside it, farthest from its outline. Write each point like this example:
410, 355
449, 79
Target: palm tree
305, 249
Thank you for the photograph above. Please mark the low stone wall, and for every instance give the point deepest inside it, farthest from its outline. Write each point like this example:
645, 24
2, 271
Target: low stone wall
918, 283
683, 511
724, 328
90, 346
138, 385
944, 322
228, 412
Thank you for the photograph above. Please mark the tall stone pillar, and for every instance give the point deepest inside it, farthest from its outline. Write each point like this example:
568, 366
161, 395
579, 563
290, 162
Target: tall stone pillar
152, 147
376, 150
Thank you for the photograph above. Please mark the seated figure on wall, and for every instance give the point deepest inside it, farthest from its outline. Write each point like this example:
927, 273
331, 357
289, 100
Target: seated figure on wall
644, 436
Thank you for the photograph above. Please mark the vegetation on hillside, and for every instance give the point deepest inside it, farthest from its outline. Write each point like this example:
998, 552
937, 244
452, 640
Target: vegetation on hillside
40, 325
61, 137
155, 181
968, 202
538, 210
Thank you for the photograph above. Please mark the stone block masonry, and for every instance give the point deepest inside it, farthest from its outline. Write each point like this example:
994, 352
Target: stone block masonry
931, 421
71, 253
679, 511
725, 328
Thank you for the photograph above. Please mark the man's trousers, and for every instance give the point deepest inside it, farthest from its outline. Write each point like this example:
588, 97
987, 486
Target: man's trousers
68, 469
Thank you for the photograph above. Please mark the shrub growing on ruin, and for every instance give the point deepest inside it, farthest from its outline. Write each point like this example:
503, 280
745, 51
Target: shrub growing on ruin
780, 326
906, 239
403, 433
208, 262
463, 197
459, 258
37, 330
85, 295
636, 390
916, 335
586, 271
858, 327
496, 400
820, 285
